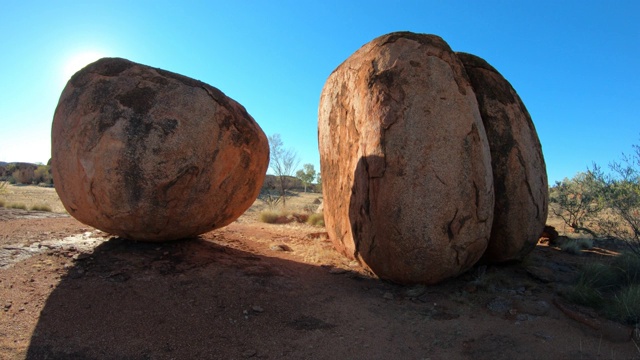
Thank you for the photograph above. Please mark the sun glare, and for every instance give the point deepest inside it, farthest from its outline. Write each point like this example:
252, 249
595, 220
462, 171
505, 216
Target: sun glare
78, 61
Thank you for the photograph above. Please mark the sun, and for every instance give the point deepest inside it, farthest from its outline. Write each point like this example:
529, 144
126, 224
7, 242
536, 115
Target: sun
78, 61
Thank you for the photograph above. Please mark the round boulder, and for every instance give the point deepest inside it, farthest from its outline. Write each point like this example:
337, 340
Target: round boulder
519, 171
151, 155
406, 167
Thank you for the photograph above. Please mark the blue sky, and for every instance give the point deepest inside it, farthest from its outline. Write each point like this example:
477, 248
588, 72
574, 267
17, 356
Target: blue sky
574, 63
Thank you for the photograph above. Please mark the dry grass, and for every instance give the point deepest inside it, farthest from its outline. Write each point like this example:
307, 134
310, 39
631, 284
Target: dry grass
41, 207
19, 206
316, 219
31, 196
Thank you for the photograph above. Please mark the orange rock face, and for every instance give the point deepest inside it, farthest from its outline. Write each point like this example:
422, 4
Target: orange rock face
151, 155
406, 167
519, 171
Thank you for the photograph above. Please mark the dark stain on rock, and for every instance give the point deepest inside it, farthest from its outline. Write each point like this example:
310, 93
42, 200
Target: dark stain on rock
493, 86
168, 126
385, 78
159, 80
139, 99
424, 39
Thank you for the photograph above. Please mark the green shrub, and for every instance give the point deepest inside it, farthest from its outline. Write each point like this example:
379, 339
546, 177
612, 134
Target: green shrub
595, 280
571, 246
41, 207
627, 266
316, 219
625, 306
612, 287
575, 246
17, 206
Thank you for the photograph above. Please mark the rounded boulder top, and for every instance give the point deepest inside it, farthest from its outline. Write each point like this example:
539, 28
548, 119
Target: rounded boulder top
151, 155
406, 167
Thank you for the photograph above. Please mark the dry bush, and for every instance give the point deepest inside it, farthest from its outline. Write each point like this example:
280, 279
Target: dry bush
1, 203
316, 219
19, 206
273, 217
41, 207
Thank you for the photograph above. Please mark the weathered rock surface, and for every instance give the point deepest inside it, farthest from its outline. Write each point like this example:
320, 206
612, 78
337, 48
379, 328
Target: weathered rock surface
406, 167
152, 155
519, 171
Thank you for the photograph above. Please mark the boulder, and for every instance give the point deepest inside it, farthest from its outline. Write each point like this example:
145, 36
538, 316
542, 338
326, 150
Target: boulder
406, 167
519, 171
151, 155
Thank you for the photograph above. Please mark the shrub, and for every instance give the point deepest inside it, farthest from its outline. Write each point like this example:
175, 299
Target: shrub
1, 203
41, 207
42, 174
577, 201
595, 280
625, 306
575, 246
19, 206
268, 217
316, 219
571, 246
627, 266
273, 217
611, 287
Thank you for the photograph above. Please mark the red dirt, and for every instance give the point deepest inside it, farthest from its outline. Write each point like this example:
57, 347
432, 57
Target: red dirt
253, 290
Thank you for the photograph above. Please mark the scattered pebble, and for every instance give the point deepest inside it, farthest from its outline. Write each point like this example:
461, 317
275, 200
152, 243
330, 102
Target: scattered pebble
337, 271
388, 296
257, 309
280, 247
249, 353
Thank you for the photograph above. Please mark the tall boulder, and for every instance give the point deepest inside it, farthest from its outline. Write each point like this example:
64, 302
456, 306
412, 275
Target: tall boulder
151, 155
519, 171
406, 167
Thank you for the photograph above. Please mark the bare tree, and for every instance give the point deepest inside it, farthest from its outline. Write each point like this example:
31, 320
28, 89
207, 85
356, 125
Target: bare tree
282, 162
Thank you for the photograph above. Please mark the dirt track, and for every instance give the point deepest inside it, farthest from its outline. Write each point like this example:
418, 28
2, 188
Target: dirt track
233, 294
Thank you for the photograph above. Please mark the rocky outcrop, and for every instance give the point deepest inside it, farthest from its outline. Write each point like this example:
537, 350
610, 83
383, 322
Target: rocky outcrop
406, 167
519, 171
151, 155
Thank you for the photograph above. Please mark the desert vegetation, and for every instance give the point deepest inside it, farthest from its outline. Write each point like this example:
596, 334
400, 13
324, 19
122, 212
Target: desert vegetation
26, 174
605, 207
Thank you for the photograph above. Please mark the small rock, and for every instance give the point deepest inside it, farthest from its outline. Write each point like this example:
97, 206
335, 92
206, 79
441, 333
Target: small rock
249, 353
280, 247
388, 296
416, 291
533, 307
257, 309
543, 336
337, 271
499, 306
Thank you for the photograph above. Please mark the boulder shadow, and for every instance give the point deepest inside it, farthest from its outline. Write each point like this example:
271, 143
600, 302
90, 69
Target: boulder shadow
189, 299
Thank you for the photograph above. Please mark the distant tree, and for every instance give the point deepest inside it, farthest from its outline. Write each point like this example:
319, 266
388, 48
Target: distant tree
42, 174
578, 202
282, 162
307, 174
24, 174
605, 205
319, 181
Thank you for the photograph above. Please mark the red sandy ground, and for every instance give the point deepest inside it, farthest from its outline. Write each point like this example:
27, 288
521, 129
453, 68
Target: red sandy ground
234, 294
